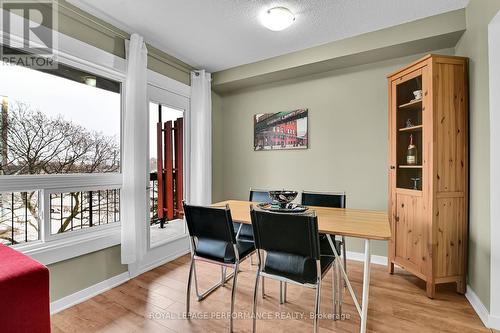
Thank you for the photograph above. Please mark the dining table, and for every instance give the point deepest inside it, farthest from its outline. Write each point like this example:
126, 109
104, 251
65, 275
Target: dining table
367, 225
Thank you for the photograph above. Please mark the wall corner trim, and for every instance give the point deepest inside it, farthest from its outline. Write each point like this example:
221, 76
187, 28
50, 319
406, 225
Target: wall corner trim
87, 293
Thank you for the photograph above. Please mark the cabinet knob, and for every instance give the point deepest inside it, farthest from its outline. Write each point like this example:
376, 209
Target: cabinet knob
397, 218
393, 167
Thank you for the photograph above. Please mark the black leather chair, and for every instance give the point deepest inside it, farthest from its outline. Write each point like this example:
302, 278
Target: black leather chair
334, 200
244, 232
292, 254
213, 240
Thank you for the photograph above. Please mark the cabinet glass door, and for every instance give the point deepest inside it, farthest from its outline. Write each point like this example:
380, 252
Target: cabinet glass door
409, 130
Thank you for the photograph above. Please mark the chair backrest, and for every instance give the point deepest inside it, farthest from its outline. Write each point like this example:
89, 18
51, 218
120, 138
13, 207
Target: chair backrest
259, 196
210, 223
286, 233
334, 200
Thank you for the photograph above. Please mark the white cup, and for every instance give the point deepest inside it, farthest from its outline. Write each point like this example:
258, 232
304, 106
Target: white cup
418, 94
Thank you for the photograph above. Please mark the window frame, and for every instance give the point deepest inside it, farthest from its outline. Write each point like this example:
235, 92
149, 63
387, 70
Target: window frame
53, 248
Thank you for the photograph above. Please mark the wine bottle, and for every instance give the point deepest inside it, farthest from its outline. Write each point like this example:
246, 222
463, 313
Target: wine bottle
411, 156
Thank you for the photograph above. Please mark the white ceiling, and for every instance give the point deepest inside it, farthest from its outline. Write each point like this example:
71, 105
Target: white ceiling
220, 34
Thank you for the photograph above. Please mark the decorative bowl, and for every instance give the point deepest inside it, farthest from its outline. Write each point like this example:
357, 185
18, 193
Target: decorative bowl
283, 197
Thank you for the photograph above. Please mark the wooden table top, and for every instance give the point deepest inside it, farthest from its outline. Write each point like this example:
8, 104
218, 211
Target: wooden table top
368, 224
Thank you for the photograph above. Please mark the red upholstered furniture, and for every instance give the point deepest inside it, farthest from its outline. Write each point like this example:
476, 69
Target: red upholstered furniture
24, 293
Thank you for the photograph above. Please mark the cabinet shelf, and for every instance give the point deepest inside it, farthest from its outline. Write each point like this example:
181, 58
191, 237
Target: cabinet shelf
411, 129
410, 166
413, 105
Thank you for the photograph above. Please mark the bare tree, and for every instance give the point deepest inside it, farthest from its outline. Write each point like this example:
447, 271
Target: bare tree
38, 144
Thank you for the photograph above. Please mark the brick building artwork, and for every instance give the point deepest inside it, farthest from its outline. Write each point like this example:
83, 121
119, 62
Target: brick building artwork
281, 130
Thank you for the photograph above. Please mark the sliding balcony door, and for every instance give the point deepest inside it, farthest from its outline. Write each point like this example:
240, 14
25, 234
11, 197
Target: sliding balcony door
166, 165
167, 148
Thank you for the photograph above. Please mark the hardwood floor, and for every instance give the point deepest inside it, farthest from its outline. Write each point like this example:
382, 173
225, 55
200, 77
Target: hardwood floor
154, 301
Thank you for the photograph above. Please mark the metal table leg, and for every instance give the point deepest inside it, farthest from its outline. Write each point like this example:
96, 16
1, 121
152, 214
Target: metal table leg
363, 309
366, 286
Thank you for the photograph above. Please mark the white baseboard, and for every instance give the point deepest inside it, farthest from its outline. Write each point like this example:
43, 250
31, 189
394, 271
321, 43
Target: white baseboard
87, 293
358, 256
478, 306
488, 320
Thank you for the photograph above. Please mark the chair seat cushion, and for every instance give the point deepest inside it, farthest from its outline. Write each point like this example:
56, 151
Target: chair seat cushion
222, 251
294, 267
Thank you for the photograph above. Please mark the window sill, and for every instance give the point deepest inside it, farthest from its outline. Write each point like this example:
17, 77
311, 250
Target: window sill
72, 246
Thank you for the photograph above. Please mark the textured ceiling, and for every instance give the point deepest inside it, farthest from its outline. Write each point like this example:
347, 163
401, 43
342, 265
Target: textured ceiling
220, 34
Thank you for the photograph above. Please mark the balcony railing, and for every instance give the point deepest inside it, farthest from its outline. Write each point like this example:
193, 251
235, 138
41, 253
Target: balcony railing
79, 210
19, 217
21, 214
153, 197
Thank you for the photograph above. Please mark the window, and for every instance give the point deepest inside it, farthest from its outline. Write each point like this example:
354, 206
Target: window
62, 122
62, 129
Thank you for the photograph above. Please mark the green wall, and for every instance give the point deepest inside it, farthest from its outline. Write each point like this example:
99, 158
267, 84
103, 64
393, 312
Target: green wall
70, 276
474, 44
348, 118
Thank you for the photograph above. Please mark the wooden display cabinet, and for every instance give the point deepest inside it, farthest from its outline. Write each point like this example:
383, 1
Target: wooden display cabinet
428, 200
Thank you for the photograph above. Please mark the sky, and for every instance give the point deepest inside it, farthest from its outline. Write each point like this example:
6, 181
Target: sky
91, 107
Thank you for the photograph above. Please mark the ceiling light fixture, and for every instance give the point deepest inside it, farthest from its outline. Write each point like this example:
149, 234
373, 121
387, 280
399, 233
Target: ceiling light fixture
90, 80
277, 18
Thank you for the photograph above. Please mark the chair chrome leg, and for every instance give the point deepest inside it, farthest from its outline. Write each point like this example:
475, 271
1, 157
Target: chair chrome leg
284, 292
254, 309
233, 295
263, 287
281, 292
334, 291
318, 298
207, 292
317, 307
223, 277
190, 277
195, 281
